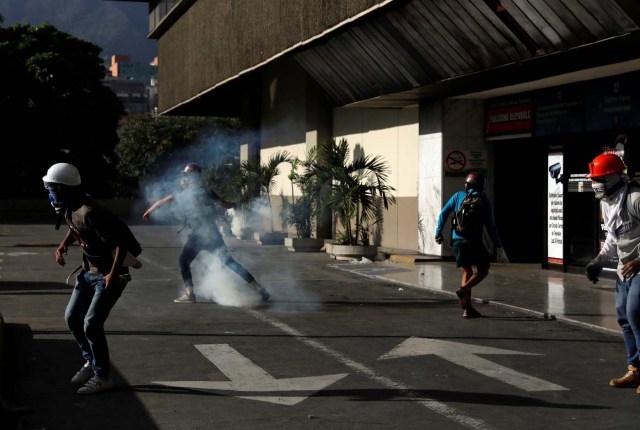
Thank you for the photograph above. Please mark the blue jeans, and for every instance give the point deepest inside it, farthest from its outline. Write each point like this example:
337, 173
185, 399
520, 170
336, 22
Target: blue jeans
213, 244
628, 313
86, 312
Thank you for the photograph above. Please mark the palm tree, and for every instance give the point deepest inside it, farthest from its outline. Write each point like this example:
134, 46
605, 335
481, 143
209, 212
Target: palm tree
356, 189
302, 212
259, 179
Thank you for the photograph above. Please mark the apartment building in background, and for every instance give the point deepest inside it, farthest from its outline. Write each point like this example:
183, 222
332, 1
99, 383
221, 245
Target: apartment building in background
134, 83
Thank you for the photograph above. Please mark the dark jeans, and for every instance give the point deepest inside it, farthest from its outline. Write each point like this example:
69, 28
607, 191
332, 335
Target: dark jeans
215, 246
628, 313
86, 313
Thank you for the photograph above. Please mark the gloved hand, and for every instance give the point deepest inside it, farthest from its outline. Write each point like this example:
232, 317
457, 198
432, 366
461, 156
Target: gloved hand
439, 240
501, 256
593, 270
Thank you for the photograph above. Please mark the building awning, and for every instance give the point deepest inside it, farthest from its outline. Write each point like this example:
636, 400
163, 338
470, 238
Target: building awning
408, 51
437, 48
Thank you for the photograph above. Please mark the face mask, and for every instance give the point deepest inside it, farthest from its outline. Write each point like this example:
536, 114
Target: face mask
606, 186
56, 196
56, 201
599, 189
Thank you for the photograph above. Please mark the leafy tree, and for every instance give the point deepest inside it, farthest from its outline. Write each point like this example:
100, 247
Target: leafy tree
151, 145
53, 100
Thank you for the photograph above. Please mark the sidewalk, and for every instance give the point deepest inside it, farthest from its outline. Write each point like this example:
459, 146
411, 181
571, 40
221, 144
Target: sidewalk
567, 297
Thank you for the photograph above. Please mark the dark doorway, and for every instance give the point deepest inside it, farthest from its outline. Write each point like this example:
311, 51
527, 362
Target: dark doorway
519, 185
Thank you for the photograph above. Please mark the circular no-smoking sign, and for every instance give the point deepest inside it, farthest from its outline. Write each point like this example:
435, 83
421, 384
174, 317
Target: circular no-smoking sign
456, 161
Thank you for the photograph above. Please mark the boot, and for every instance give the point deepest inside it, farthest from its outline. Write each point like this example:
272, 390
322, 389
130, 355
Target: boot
630, 379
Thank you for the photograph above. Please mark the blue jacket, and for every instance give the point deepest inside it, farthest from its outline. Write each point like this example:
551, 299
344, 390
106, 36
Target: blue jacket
453, 204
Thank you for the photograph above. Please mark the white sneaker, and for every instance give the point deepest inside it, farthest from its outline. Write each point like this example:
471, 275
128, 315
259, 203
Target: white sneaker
83, 375
96, 385
186, 298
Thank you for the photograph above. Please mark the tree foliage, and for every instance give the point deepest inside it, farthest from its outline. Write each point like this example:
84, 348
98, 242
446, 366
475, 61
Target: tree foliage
302, 212
259, 179
53, 101
358, 189
150, 146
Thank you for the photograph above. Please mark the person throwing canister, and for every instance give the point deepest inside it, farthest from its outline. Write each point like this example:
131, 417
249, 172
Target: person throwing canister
197, 202
467, 235
620, 209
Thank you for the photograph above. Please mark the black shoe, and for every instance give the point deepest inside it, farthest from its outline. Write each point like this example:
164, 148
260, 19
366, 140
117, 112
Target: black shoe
471, 312
464, 297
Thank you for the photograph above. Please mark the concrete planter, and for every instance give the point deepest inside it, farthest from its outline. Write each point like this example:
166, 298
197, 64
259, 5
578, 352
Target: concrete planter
275, 238
347, 252
303, 244
328, 244
246, 233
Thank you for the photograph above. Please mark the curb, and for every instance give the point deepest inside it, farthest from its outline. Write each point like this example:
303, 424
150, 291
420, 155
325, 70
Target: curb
541, 315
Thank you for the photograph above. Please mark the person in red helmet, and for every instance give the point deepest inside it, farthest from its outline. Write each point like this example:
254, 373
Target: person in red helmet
620, 209
467, 243
205, 236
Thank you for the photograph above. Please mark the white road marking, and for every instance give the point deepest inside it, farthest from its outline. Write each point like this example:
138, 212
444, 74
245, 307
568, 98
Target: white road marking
466, 355
246, 376
156, 264
406, 390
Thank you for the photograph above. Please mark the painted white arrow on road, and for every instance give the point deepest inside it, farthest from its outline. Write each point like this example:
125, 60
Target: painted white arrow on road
466, 355
246, 376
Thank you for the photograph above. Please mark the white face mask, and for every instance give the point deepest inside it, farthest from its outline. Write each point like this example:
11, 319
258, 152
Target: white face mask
598, 188
607, 186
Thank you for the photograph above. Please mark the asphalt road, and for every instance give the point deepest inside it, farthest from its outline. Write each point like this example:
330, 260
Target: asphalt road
331, 350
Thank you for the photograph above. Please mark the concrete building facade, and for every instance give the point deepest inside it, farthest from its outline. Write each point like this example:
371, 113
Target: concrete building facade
437, 88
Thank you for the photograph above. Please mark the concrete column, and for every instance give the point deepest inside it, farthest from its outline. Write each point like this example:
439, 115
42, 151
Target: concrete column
250, 123
319, 131
430, 174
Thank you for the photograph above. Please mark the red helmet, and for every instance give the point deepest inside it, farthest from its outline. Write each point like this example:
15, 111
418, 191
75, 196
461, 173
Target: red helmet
605, 164
476, 181
192, 168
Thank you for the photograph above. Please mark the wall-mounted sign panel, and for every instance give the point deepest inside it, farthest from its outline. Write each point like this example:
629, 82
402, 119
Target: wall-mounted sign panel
559, 110
612, 103
458, 162
509, 118
555, 210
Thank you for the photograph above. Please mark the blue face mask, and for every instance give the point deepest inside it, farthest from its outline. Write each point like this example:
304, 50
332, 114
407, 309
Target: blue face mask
56, 196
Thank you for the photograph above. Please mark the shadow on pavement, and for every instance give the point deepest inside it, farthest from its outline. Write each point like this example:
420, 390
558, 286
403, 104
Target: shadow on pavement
42, 370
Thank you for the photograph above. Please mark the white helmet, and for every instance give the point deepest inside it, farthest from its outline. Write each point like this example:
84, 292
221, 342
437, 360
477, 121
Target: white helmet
63, 173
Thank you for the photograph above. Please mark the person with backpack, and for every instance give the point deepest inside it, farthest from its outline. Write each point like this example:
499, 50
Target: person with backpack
196, 203
620, 208
108, 248
473, 212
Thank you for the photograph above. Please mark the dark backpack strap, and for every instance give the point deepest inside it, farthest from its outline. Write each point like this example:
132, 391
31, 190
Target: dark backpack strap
628, 202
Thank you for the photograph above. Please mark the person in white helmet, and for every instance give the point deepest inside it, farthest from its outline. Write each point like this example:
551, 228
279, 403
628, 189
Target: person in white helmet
108, 249
204, 236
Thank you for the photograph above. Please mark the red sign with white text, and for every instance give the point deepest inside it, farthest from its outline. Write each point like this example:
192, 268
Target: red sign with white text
509, 120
